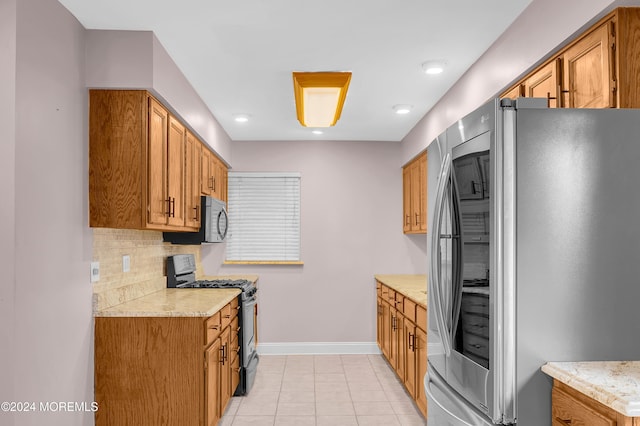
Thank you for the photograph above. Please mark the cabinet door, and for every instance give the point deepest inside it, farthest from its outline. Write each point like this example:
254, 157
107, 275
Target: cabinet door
423, 193
380, 323
409, 378
224, 178
175, 171
212, 383
587, 75
225, 369
393, 337
406, 199
544, 83
416, 196
205, 172
514, 93
401, 359
386, 329
192, 182
421, 369
217, 177
157, 199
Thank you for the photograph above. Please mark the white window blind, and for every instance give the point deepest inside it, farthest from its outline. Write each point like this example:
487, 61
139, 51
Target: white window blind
264, 217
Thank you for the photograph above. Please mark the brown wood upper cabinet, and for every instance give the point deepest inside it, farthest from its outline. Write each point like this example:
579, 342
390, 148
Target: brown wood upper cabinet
144, 164
597, 70
414, 196
213, 179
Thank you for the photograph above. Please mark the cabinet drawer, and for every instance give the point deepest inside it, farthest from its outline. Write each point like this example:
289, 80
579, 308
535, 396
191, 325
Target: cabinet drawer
391, 297
421, 317
226, 315
384, 292
567, 410
235, 307
235, 329
399, 302
213, 327
409, 309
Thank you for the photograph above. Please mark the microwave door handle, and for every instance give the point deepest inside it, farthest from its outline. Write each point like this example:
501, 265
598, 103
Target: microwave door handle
222, 233
434, 276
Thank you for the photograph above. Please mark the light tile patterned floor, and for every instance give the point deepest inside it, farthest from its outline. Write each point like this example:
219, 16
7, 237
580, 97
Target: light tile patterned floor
324, 390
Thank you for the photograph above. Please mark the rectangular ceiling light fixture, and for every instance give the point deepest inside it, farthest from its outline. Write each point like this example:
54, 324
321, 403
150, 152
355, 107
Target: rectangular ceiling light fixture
320, 97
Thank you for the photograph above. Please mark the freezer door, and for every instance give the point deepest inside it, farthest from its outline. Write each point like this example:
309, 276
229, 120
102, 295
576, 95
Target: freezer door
446, 407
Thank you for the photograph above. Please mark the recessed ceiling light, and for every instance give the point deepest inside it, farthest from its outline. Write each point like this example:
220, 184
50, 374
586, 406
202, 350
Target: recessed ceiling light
402, 109
433, 67
317, 132
241, 118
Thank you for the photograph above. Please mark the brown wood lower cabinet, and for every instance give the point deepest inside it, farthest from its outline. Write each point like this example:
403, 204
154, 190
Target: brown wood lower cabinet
570, 407
171, 371
402, 337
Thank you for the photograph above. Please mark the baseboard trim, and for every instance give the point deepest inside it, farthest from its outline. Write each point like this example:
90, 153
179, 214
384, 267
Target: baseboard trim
318, 348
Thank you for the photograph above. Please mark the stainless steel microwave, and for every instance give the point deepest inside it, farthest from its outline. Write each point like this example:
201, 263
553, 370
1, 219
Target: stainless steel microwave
213, 227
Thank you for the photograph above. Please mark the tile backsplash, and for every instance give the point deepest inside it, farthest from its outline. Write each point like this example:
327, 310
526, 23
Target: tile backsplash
147, 273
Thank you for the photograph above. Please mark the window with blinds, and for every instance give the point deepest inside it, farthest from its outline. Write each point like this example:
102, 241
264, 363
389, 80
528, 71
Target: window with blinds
264, 217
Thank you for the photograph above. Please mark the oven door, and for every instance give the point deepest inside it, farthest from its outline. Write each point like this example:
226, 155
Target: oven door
248, 333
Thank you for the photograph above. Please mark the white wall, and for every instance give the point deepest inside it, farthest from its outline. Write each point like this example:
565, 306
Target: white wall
351, 216
7, 207
53, 356
137, 60
539, 30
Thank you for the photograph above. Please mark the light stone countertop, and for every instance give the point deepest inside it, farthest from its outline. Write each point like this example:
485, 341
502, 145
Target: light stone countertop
615, 384
174, 302
184, 302
412, 286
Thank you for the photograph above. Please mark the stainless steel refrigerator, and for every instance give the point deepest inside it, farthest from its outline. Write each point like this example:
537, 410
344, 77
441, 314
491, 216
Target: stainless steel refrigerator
534, 251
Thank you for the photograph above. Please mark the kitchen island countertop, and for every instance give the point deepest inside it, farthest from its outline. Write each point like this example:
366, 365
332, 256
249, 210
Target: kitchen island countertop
412, 286
615, 384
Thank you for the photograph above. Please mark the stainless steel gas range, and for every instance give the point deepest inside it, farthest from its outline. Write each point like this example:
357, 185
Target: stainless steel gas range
181, 274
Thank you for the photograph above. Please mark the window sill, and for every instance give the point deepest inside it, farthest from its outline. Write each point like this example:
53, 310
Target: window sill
263, 262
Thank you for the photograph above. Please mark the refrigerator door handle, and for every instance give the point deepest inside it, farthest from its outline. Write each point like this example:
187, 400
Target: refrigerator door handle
434, 276
456, 273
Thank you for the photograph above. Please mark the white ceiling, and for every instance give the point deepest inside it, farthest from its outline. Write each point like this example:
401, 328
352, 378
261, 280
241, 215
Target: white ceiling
239, 54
